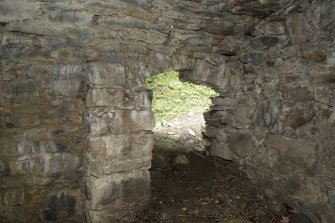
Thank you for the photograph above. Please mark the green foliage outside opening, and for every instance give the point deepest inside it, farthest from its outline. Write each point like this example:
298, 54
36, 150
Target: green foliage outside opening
173, 98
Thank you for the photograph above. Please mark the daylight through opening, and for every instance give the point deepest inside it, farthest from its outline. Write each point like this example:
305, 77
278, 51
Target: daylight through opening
187, 183
178, 108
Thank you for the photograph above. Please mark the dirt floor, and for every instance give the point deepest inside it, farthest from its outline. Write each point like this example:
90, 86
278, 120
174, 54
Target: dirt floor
190, 186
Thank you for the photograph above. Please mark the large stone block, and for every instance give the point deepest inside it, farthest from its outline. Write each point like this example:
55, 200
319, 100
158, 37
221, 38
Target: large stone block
158, 62
98, 126
272, 28
106, 75
47, 147
98, 144
118, 196
257, 12
124, 121
66, 80
11, 197
197, 43
303, 190
326, 122
8, 148
71, 86
327, 16
219, 134
331, 118
331, 196
225, 27
300, 151
141, 143
297, 28
297, 93
242, 145
106, 191
243, 114
268, 41
26, 87
214, 71
315, 55
136, 188
120, 122
142, 120
60, 162
59, 206
26, 147
120, 164
331, 60
143, 100
23, 120
28, 164
222, 150
118, 145
111, 145
255, 58
298, 118
4, 168
270, 2
117, 189
140, 13
111, 97
104, 216
9, 10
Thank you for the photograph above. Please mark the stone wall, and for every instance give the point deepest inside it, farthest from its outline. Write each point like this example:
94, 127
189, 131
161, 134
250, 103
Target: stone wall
75, 131
41, 133
41, 113
275, 117
119, 144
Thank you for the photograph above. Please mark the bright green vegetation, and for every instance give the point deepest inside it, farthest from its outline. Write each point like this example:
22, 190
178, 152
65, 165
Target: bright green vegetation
172, 98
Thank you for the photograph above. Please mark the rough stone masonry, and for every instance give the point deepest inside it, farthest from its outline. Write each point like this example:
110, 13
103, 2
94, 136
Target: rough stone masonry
75, 117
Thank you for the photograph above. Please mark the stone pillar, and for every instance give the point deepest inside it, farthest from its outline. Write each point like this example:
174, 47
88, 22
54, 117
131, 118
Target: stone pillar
119, 145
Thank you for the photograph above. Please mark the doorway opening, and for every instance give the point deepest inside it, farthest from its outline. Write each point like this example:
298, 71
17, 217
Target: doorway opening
187, 184
178, 108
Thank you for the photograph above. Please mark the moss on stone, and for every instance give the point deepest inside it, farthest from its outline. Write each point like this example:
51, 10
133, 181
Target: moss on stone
172, 98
